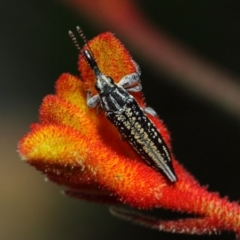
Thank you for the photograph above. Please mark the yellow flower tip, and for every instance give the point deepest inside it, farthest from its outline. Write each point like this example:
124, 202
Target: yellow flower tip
70, 88
54, 144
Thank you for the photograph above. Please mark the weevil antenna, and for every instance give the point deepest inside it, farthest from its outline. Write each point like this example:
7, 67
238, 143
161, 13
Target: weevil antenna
81, 34
74, 40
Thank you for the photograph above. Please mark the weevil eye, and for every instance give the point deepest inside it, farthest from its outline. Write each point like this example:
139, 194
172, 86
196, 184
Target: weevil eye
97, 87
110, 80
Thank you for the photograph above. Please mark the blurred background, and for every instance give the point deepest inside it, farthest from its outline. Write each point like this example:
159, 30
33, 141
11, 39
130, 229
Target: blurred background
192, 81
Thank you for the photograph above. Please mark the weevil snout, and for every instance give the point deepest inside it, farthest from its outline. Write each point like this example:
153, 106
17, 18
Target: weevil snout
104, 84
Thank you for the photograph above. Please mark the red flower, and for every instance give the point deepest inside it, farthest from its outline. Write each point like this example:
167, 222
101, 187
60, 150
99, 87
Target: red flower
79, 148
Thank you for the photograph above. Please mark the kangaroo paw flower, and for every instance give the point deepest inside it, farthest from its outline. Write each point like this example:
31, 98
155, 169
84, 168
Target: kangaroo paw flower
80, 149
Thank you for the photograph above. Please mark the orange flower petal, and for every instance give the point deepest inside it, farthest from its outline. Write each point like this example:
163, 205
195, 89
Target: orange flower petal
57, 111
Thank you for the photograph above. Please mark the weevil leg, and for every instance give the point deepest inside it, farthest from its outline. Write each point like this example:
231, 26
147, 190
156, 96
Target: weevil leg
129, 81
137, 88
150, 111
93, 101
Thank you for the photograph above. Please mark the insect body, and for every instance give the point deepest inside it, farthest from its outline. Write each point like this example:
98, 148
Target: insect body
129, 118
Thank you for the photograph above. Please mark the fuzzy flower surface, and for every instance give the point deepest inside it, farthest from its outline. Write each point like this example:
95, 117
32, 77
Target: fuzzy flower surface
79, 148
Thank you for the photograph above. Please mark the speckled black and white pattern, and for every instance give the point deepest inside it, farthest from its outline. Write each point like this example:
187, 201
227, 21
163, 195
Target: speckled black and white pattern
141, 133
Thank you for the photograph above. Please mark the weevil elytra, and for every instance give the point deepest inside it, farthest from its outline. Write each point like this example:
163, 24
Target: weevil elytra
124, 112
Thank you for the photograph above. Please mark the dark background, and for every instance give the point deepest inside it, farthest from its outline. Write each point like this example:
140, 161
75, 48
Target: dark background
35, 49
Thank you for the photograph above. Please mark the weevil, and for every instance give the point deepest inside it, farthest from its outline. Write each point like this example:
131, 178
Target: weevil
124, 112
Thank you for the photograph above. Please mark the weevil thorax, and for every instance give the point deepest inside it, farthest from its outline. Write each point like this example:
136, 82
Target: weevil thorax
104, 84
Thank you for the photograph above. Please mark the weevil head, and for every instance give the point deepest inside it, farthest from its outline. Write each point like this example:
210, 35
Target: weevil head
104, 84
